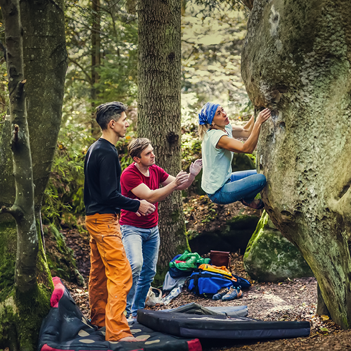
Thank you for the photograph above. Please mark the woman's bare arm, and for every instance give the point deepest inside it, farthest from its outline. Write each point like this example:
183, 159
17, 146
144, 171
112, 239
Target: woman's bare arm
245, 131
250, 144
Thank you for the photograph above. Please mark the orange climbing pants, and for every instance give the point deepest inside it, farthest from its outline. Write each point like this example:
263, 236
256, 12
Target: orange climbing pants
110, 276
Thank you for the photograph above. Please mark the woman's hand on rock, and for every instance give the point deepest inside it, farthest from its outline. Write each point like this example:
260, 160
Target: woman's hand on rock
263, 116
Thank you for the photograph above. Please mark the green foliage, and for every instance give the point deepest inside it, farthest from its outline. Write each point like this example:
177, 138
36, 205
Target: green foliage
115, 76
63, 196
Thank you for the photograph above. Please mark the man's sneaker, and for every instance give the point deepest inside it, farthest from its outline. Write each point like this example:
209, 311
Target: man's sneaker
220, 294
233, 293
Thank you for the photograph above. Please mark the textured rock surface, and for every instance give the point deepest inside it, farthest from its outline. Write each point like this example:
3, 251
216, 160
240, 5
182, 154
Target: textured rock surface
296, 60
269, 257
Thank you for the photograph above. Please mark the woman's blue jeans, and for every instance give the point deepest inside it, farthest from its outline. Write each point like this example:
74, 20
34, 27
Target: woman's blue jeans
243, 185
141, 246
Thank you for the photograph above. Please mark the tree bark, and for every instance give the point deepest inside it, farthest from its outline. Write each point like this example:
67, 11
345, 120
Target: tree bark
45, 64
23, 208
41, 24
159, 112
296, 61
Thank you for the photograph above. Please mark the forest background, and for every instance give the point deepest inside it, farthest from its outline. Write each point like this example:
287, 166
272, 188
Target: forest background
102, 45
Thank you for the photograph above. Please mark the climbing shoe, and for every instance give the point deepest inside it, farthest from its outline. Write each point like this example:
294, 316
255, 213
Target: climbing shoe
233, 293
256, 204
220, 294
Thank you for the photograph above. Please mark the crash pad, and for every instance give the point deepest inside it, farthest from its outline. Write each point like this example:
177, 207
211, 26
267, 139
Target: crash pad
193, 323
66, 328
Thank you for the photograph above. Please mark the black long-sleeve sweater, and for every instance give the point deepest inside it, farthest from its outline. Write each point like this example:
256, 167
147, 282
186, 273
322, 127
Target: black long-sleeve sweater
102, 187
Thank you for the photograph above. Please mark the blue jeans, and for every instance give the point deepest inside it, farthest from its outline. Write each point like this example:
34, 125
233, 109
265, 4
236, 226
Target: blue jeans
243, 185
141, 246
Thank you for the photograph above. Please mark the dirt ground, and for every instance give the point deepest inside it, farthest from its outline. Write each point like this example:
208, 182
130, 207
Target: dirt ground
290, 300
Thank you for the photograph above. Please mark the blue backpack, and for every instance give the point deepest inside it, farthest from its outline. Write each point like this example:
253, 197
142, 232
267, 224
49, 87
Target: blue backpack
205, 283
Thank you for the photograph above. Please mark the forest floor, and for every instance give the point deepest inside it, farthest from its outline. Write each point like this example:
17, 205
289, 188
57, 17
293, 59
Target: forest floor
290, 300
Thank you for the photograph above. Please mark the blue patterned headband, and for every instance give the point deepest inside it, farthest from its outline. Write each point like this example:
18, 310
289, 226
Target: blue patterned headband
207, 113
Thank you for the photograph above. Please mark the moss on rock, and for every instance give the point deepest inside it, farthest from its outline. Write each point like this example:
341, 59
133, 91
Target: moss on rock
21, 314
8, 243
271, 257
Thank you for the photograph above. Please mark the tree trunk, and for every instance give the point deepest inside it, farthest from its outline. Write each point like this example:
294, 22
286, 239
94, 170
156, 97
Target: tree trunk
159, 107
23, 208
296, 61
45, 64
41, 23
95, 62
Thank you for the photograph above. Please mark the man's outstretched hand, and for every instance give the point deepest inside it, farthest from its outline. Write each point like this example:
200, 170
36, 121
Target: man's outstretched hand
195, 167
145, 208
181, 178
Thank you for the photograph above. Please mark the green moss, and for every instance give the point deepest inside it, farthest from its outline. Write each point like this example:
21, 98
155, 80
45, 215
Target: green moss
271, 257
32, 308
21, 314
8, 243
260, 225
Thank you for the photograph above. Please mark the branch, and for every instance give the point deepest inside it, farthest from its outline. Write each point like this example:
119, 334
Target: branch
14, 211
90, 80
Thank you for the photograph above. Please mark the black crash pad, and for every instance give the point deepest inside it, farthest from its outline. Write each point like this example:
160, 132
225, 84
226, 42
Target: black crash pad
181, 323
65, 328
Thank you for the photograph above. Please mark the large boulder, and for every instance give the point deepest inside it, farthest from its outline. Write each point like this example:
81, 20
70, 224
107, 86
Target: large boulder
296, 60
232, 236
270, 257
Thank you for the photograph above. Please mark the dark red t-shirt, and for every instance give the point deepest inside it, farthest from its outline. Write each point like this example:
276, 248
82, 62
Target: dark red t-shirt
130, 179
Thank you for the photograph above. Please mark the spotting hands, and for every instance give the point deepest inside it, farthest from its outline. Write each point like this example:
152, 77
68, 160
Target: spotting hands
181, 178
195, 167
145, 208
263, 116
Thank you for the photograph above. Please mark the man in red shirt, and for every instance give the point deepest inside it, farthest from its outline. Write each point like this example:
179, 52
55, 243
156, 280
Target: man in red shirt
141, 180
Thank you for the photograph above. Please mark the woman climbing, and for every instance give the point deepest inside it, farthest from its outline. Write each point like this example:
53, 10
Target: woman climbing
218, 145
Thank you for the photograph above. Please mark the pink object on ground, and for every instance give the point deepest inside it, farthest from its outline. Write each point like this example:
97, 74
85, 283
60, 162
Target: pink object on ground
194, 345
57, 293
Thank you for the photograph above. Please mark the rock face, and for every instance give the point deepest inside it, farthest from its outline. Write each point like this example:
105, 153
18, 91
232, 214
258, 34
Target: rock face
232, 236
270, 257
296, 61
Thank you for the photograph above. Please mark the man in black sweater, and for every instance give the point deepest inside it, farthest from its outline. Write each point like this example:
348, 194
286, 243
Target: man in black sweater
110, 273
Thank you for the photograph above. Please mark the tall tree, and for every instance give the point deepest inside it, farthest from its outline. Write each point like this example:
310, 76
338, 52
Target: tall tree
296, 61
36, 59
159, 116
